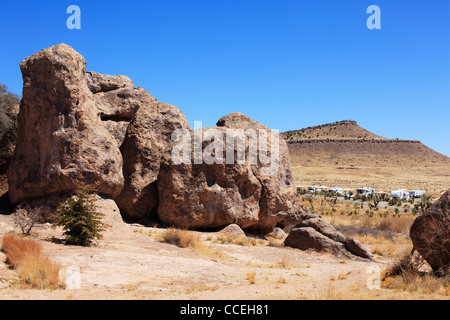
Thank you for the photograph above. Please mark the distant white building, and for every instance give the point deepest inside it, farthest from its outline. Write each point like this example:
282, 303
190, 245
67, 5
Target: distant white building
365, 191
400, 194
313, 189
336, 190
417, 193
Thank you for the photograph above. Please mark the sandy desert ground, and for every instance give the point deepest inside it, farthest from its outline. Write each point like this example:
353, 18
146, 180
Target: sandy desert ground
135, 265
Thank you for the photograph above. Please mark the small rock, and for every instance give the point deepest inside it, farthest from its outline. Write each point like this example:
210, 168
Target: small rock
233, 231
356, 248
277, 233
324, 227
308, 238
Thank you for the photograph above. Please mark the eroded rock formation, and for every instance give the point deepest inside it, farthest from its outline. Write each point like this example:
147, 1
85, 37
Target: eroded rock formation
311, 232
60, 131
118, 138
243, 191
430, 234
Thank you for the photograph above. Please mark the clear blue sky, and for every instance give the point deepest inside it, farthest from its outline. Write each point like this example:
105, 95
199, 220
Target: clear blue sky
286, 63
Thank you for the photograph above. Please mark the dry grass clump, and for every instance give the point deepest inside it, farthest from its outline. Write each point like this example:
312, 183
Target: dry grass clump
339, 293
35, 269
39, 272
180, 238
405, 274
240, 241
285, 262
186, 239
391, 250
251, 277
16, 248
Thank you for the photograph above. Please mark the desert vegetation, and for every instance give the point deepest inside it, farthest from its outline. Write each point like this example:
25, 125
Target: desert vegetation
413, 276
35, 269
79, 217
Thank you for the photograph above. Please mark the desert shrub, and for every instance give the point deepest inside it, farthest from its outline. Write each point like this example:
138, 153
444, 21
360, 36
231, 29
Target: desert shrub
34, 268
15, 248
79, 218
406, 274
39, 272
28, 219
405, 268
179, 238
251, 277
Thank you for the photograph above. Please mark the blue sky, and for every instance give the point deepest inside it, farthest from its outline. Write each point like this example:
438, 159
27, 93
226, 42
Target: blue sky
289, 64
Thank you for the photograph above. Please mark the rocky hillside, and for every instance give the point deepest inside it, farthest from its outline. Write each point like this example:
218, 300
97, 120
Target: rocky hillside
347, 129
347, 144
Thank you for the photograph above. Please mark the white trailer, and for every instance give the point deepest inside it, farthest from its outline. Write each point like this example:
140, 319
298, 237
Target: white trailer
417, 193
313, 189
336, 190
400, 194
365, 191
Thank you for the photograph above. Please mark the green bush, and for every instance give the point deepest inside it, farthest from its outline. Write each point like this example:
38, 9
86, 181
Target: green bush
79, 218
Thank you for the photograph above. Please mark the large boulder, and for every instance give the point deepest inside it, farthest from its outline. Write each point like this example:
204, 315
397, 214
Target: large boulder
324, 227
430, 234
207, 195
239, 189
147, 142
60, 132
278, 192
308, 238
297, 214
316, 233
355, 247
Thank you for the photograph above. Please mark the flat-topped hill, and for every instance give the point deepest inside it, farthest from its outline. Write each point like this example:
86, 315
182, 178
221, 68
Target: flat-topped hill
345, 154
347, 129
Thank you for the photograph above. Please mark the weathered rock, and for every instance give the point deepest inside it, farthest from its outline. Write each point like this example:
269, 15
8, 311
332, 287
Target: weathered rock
306, 220
355, 247
324, 227
308, 238
147, 142
296, 215
278, 191
44, 206
117, 100
245, 191
430, 234
117, 129
116, 227
61, 135
205, 196
97, 82
122, 104
233, 231
277, 233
